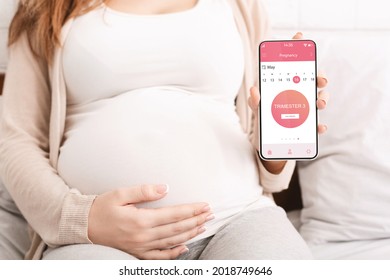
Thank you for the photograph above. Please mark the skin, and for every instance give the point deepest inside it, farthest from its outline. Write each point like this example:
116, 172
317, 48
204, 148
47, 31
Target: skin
115, 221
151, 7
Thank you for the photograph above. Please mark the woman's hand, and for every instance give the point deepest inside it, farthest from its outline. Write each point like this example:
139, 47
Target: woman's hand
276, 167
116, 222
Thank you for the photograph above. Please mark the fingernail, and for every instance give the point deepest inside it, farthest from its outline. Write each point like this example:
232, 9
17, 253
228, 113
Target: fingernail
210, 217
322, 128
201, 229
162, 189
323, 102
184, 250
323, 76
206, 208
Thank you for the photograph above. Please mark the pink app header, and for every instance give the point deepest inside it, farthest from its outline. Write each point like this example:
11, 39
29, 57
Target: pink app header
299, 50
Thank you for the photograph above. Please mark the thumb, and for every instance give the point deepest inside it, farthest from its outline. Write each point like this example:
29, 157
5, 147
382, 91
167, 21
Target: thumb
142, 193
254, 99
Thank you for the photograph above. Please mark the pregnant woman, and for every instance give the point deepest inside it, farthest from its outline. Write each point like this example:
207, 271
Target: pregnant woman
129, 131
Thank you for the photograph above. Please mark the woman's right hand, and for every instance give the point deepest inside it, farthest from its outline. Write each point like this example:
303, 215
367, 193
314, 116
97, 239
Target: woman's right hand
145, 233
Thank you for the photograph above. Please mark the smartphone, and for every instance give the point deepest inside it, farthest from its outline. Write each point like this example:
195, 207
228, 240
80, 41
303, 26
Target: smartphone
288, 110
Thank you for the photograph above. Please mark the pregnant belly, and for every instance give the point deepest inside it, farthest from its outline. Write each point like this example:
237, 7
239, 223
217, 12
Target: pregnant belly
195, 146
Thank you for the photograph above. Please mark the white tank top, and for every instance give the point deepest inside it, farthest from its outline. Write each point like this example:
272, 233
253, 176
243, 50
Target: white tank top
151, 101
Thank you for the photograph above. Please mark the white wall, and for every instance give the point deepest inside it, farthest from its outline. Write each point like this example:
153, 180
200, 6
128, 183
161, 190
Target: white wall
347, 24
7, 8
330, 15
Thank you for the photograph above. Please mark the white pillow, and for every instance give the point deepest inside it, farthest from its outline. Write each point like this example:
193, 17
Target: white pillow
346, 191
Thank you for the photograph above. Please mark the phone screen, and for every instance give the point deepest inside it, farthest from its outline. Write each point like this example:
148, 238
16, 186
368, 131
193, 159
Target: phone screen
288, 89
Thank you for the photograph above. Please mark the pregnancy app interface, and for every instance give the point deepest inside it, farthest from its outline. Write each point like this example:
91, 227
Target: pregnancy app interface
288, 112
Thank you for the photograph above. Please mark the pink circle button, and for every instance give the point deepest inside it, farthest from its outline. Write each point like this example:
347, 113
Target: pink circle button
296, 79
290, 108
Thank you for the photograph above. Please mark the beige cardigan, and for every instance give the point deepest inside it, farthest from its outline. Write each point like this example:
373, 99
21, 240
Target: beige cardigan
32, 127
